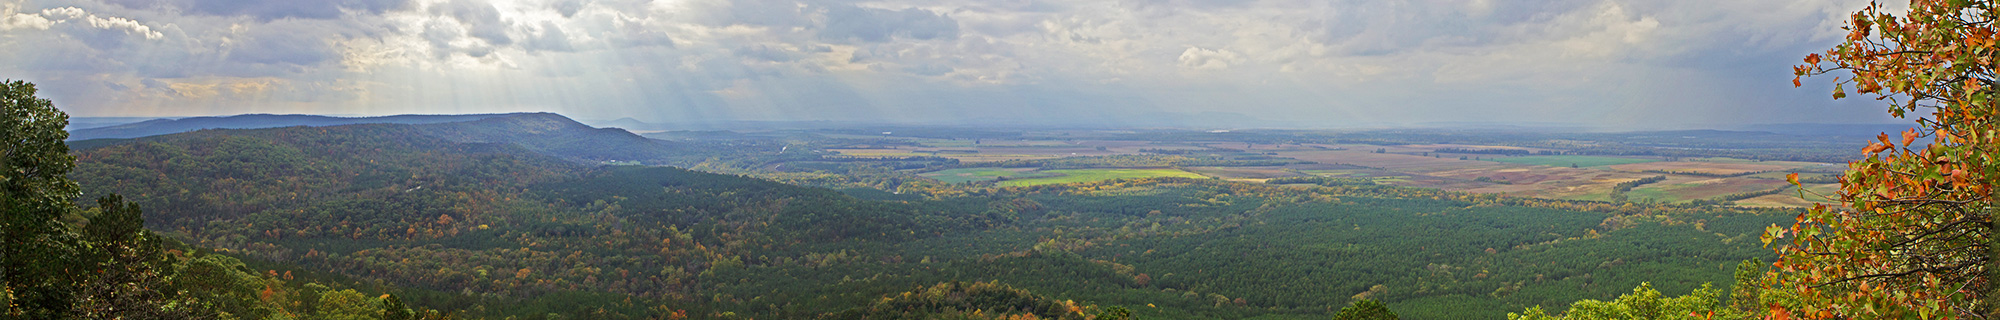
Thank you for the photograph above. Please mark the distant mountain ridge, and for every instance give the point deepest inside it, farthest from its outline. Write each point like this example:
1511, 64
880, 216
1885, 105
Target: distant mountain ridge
257, 121
542, 132
557, 135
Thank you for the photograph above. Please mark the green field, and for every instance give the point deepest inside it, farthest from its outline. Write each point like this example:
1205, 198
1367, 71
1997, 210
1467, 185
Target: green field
1565, 161
964, 175
1086, 175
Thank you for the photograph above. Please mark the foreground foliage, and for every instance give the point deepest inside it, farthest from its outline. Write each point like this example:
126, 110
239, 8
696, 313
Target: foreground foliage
977, 300
1643, 303
1915, 238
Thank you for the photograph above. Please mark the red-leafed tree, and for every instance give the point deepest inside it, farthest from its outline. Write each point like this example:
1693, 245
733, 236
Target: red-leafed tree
1914, 238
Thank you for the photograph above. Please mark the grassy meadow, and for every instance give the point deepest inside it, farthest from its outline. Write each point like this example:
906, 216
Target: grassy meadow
1087, 175
963, 175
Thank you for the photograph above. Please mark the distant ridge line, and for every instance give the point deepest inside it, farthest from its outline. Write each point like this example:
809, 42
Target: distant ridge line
266, 120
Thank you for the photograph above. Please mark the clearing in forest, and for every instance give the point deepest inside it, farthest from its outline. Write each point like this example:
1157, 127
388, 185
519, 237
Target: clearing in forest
1679, 188
1565, 161
1246, 172
1088, 175
963, 175
1790, 198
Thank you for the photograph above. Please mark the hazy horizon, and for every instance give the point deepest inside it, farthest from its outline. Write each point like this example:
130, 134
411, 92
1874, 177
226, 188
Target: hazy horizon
1192, 63
85, 122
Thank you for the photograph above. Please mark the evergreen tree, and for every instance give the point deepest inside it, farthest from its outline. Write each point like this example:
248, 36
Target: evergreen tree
1365, 310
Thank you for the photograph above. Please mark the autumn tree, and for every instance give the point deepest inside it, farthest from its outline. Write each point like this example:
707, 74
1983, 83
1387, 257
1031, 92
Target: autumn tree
1914, 238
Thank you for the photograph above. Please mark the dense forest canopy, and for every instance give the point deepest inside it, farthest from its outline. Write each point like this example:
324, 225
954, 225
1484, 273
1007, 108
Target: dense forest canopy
538, 216
468, 226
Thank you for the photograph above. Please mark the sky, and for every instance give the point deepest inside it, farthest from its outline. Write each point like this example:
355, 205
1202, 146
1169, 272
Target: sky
1298, 63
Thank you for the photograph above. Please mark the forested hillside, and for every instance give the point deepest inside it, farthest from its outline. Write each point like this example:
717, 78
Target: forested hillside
554, 134
495, 230
254, 121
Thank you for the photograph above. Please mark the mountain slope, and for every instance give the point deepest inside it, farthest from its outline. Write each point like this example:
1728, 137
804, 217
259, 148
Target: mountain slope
361, 200
557, 135
253, 121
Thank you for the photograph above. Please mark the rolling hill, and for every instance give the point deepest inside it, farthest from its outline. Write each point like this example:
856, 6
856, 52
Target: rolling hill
253, 121
557, 135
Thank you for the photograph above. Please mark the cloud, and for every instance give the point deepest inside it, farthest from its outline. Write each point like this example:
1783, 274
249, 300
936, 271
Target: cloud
478, 19
766, 53
928, 69
1204, 58
280, 43
567, 8
12, 18
1434, 60
549, 37
267, 10
84, 19
850, 23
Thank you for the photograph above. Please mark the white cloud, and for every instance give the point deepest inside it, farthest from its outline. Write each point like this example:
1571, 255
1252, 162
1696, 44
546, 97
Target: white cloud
1573, 60
1204, 58
24, 21
53, 16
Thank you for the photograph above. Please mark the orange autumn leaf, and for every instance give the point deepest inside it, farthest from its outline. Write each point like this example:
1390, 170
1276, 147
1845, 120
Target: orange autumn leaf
1900, 56
1779, 313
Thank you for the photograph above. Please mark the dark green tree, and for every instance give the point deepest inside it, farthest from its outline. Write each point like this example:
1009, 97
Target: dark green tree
1365, 310
394, 309
37, 266
1114, 313
129, 269
111, 268
1749, 284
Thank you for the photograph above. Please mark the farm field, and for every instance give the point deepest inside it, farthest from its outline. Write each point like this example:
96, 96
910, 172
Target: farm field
1704, 166
964, 175
1428, 147
1539, 181
1245, 172
876, 153
964, 157
1087, 175
1679, 188
1565, 161
1544, 176
1386, 161
1791, 198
